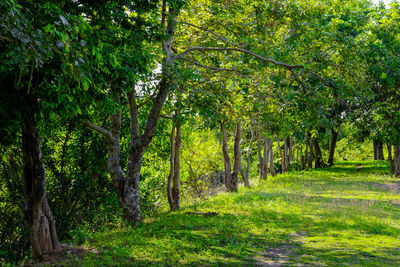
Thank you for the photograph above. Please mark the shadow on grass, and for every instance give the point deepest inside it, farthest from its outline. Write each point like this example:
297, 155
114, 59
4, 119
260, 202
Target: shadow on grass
181, 239
225, 239
378, 167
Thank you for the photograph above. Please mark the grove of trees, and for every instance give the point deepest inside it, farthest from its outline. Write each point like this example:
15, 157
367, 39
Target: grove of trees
113, 110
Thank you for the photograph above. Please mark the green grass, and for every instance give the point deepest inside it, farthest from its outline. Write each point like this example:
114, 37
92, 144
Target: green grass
330, 217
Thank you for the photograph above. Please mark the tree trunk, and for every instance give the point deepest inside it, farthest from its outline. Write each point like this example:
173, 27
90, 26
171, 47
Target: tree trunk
227, 159
319, 162
263, 159
306, 154
332, 147
237, 157
36, 212
128, 187
266, 156
288, 153
390, 158
260, 160
396, 160
271, 159
378, 150
311, 153
245, 174
282, 156
171, 166
174, 176
303, 162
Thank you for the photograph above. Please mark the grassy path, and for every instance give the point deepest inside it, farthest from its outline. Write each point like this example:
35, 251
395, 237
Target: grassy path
339, 216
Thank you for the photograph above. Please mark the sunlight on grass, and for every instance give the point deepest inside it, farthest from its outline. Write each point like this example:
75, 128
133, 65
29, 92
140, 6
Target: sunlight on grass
334, 216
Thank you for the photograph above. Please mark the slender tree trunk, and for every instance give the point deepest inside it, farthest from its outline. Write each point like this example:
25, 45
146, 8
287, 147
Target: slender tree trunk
36, 212
171, 166
332, 147
174, 178
245, 174
319, 161
260, 160
396, 160
266, 156
288, 153
378, 150
303, 158
237, 157
390, 157
282, 156
306, 154
227, 159
263, 157
263, 160
311, 153
271, 159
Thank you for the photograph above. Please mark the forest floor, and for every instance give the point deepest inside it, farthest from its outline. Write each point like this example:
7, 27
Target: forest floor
340, 216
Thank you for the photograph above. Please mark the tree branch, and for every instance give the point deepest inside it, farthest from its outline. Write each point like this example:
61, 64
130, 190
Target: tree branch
98, 129
134, 113
205, 66
213, 33
269, 60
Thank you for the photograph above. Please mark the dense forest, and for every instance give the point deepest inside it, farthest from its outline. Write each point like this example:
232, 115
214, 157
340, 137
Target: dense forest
114, 113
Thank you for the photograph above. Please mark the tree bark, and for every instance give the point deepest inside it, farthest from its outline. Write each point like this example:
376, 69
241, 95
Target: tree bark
36, 212
311, 153
260, 160
390, 157
332, 147
237, 157
266, 156
171, 165
245, 174
231, 178
263, 157
227, 159
282, 158
174, 175
396, 160
319, 161
271, 159
378, 150
287, 153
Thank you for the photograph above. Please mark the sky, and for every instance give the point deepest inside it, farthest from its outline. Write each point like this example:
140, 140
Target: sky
385, 1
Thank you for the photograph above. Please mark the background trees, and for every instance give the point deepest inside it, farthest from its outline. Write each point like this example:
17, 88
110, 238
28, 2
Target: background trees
91, 91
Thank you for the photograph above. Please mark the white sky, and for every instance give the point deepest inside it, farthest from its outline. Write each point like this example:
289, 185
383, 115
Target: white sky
385, 1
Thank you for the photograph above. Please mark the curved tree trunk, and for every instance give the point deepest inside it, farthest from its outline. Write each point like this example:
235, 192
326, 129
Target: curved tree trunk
36, 212
332, 147
127, 187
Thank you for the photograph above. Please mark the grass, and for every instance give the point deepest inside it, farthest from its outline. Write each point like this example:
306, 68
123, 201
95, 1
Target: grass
337, 216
